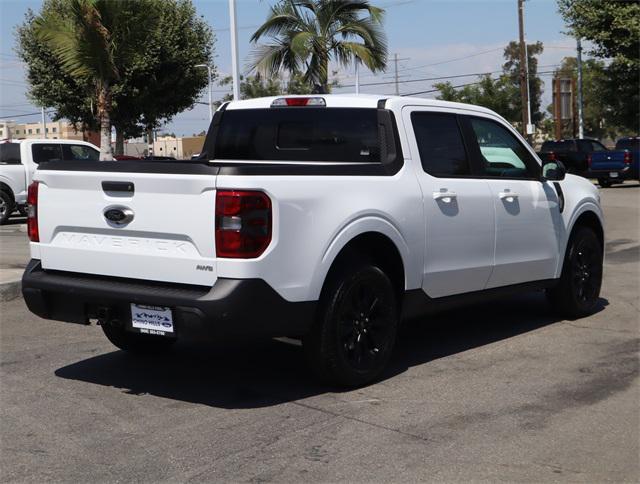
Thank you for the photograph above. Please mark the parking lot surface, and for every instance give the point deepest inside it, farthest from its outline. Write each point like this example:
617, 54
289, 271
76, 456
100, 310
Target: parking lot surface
497, 391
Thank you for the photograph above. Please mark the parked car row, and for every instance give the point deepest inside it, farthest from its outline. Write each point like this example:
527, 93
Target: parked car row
591, 159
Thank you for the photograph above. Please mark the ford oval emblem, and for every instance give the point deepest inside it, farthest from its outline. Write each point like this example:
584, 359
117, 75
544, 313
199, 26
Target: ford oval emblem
118, 216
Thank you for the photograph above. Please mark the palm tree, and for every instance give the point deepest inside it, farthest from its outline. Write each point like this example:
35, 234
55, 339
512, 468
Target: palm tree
84, 40
307, 34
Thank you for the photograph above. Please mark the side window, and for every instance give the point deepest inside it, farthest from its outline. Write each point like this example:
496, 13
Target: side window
45, 152
585, 146
79, 152
440, 144
10, 154
502, 154
598, 146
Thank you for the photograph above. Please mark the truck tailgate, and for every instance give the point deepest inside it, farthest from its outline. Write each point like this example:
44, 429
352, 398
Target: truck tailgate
607, 161
170, 238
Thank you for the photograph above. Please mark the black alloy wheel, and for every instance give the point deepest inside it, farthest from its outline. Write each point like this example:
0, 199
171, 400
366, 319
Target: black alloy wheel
353, 337
578, 289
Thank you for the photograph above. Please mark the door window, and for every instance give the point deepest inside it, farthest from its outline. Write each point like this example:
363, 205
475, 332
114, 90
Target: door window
502, 155
598, 146
80, 152
440, 143
46, 152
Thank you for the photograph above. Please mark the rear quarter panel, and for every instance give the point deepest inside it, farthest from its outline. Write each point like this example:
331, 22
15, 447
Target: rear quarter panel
314, 217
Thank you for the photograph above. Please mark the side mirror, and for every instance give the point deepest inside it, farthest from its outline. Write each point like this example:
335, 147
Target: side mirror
553, 170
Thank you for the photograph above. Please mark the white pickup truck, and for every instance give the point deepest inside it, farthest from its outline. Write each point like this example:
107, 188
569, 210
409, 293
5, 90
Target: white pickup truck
20, 159
326, 218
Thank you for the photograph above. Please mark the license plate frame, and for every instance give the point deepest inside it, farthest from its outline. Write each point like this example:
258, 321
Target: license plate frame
153, 320
613, 174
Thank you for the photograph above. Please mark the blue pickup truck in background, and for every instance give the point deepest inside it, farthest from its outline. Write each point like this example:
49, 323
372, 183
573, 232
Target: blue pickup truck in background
615, 166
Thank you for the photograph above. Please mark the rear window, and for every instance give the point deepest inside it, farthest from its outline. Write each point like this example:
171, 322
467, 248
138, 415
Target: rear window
10, 153
628, 144
46, 152
558, 146
299, 134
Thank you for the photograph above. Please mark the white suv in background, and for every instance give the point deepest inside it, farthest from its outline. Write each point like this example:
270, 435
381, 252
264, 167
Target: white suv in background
326, 218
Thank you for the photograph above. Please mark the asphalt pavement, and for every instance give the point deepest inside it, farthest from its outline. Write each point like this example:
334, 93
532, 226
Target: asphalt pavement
503, 391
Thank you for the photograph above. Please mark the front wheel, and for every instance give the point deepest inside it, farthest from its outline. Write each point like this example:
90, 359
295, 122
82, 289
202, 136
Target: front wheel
578, 290
353, 337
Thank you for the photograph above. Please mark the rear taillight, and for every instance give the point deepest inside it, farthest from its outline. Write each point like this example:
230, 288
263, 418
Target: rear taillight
628, 158
243, 223
32, 212
589, 160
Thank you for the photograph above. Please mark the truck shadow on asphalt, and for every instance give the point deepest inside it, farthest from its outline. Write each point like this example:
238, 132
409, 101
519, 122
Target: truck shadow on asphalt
255, 374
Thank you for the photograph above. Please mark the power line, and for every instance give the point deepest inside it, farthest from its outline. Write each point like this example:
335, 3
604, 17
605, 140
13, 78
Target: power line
23, 115
464, 85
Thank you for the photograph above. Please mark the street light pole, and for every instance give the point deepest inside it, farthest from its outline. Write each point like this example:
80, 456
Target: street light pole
580, 99
210, 89
44, 125
235, 66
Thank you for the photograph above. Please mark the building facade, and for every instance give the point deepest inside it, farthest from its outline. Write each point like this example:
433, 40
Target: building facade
10, 130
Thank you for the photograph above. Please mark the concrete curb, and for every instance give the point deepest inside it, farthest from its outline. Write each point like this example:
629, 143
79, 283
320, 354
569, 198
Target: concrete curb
10, 290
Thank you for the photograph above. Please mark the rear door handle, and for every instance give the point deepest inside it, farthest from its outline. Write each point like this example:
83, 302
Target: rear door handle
506, 195
445, 196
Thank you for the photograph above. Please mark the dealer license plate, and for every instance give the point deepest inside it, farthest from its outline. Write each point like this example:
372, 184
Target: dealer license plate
613, 174
152, 320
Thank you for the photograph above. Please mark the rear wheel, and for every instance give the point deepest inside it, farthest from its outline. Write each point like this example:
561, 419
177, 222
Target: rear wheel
578, 291
604, 182
6, 207
353, 337
136, 343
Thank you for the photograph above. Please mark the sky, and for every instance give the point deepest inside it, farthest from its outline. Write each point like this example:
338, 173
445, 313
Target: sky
433, 38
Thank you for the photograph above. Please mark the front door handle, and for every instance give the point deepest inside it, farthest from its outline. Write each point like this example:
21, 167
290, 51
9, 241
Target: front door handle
508, 196
446, 196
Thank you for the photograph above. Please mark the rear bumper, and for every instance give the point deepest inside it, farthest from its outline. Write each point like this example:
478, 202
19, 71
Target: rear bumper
232, 307
626, 173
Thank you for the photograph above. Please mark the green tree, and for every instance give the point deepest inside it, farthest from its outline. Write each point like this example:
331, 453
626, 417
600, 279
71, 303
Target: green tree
502, 95
511, 68
613, 27
85, 44
257, 86
495, 94
307, 34
156, 78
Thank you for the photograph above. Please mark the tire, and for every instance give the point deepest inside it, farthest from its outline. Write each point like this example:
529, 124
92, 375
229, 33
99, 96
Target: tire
355, 330
7, 206
136, 343
604, 182
578, 290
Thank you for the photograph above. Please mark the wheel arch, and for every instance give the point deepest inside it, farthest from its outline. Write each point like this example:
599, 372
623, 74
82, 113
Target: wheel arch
374, 238
7, 189
591, 219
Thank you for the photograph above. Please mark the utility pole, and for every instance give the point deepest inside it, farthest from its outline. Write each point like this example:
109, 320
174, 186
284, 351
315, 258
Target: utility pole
44, 125
580, 100
524, 74
209, 76
235, 65
395, 62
